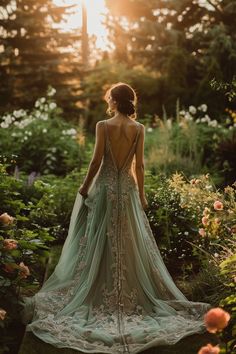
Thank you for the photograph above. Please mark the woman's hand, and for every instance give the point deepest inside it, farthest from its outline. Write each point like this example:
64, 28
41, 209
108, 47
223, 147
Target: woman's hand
83, 190
144, 201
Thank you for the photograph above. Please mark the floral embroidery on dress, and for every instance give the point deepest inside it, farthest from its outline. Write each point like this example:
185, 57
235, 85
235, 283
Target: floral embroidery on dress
119, 297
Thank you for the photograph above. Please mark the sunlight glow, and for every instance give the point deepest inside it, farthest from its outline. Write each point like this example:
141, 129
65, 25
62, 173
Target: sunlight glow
96, 10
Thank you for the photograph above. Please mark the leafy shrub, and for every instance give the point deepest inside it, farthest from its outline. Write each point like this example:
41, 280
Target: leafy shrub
42, 141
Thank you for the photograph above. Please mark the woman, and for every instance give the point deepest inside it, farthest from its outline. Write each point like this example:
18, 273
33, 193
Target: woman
110, 291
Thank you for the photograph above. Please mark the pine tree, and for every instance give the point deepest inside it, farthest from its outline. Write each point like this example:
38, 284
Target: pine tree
35, 54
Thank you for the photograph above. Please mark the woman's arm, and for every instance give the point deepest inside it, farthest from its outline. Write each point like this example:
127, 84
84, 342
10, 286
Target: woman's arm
96, 158
139, 167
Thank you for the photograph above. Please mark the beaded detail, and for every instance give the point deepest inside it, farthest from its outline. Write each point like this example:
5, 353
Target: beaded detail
119, 297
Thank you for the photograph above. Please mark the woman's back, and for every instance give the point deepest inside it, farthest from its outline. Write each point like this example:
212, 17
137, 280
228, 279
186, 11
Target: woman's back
121, 136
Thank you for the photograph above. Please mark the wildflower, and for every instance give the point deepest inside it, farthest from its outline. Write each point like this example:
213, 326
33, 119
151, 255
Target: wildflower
149, 129
209, 349
2, 314
217, 221
218, 205
6, 219
10, 244
192, 110
24, 270
233, 229
204, 220
206, 211
52, 105
216, 319
202, 232
203, 107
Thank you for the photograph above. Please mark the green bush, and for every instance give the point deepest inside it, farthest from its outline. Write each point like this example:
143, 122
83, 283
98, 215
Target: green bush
42, 141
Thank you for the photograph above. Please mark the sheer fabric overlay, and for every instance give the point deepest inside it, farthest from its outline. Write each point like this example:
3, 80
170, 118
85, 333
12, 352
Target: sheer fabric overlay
111, 291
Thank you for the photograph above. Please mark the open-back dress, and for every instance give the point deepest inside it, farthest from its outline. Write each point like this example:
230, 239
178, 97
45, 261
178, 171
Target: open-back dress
111, 291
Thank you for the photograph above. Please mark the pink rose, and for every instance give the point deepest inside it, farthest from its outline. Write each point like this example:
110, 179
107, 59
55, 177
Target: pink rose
6, 219
24, 270
216, 319
218, 205
2, 314
202, 232
209, 349
10, 244
204, 220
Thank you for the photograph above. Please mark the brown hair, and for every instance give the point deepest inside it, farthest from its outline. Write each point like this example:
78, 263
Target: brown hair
125, 97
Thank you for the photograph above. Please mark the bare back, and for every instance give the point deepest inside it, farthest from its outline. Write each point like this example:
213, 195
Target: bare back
122, 136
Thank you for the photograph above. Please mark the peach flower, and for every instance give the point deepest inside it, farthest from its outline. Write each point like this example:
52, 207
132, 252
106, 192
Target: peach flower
24, 270
216, 319
10, 244
6, 219
209, 349
202, 232
218, 205
204, 220
217, 221
2, 314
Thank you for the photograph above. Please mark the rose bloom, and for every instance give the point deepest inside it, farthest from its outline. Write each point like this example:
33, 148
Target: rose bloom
24, 270
218, 205
204, 220
6, 219
10, 244
216, 319
2, 314
209, 349
202, 232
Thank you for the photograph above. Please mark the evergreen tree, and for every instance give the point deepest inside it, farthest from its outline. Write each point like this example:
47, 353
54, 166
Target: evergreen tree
35, 54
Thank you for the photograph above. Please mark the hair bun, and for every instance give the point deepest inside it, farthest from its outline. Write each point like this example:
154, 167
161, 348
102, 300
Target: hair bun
126, 107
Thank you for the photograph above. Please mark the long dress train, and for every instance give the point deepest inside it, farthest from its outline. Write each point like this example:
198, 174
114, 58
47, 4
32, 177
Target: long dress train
111, 291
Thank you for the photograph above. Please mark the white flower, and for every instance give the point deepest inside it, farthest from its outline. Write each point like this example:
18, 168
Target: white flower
203, 107
51, 91
44, 130
198, 120
4, 125
18, 113
182, 113
42, 99
37, 103
192, 109
37, 114
44, 116
207, 118
186, 233
52, 105
213, 123
54, 149
188, 116
149, 129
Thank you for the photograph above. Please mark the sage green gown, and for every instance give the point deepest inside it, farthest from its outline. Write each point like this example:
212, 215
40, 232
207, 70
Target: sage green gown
110, 291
